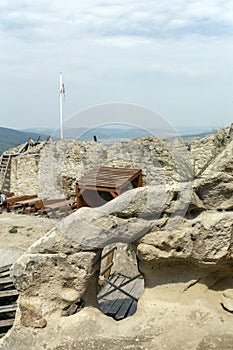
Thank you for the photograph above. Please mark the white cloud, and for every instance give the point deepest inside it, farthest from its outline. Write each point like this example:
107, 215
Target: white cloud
113, 48
155, 18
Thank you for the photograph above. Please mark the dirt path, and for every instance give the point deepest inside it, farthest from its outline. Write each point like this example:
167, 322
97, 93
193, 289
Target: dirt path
18, 232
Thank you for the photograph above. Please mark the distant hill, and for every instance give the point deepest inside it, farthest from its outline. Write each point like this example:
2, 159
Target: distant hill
113, 133
10, 138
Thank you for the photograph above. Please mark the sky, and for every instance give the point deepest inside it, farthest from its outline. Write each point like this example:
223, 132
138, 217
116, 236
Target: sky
174, 57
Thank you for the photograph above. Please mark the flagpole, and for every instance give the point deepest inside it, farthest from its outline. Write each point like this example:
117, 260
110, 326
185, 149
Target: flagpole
61, 116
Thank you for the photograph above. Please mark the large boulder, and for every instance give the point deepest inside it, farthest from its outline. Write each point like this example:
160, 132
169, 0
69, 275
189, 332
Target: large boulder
215, 186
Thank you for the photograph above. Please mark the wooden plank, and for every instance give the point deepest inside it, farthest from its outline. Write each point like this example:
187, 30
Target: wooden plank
108, 265
111, 176
8, 293
5, 268
57, 205
5, 280
107, 287
122, 300
137, 292
9, 194
12, 200
53, 201
130, 179
28, 201
106, 303
113, 183
123, 284
119, 288
105, 179
132, 309
112, 171
115, 303
7, 323
127, 304
7, 308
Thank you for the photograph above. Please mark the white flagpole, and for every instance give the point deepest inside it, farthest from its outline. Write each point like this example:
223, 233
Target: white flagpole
61, 116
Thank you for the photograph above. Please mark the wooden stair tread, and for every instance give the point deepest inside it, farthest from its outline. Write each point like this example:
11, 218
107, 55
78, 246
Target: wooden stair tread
7, 308
8, 293
7, 323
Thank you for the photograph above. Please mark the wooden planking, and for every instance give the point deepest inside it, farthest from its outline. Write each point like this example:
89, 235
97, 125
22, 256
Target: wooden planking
107, 287
106, 179
106, 303
127, 304
7, 308
118, 305
58, 205
8, 293
114, 303
53, 201
15, 199
7, 323
109, 177
5, 268
5, 280
10, 202
123, 284
28, 201
132, 309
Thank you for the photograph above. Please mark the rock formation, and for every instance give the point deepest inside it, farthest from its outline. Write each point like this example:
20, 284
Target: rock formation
186, 264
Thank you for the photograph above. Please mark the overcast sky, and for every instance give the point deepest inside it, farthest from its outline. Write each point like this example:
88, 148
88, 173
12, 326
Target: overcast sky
174, 56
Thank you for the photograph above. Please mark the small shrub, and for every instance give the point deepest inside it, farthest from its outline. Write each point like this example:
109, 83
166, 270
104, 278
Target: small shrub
14, 229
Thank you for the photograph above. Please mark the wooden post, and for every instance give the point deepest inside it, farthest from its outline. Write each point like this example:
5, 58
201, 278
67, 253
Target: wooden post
108, 263
140, 180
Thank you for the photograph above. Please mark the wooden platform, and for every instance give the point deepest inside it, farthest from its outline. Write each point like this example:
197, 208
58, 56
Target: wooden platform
116, 304
105, 183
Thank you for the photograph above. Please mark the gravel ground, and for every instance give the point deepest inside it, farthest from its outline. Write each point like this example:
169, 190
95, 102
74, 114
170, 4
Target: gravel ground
18, 232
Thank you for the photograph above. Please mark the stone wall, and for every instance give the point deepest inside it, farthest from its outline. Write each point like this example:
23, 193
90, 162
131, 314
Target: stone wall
52, 170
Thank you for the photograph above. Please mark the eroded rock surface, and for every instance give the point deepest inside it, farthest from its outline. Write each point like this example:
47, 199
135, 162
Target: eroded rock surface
188, 299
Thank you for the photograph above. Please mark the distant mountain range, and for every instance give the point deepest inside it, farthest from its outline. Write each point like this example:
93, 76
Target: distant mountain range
11, 138
120, 133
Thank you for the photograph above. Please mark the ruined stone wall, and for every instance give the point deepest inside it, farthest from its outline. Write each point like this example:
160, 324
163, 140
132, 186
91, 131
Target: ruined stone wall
47, 169
60, 164
25, 169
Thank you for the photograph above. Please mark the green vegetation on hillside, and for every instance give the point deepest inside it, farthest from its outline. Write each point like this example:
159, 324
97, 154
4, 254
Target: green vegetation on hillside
10, 138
